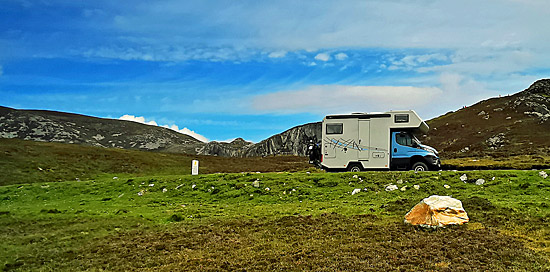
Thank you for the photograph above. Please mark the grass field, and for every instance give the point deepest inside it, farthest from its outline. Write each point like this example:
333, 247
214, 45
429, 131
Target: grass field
289, 221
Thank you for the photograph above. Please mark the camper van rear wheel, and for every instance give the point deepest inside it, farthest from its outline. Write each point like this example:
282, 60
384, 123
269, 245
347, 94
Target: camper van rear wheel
420, 166
354, 168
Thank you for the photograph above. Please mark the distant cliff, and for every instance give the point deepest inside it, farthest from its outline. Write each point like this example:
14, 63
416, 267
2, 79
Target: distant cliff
290, 142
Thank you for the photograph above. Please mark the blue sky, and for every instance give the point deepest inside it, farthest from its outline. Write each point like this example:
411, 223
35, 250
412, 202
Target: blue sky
225, 69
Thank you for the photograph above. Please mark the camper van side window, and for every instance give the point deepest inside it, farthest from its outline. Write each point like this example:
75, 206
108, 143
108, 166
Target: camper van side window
335, 128
401, 118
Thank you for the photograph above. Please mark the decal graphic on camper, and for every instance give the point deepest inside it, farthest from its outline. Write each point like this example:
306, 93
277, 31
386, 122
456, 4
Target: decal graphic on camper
349, 144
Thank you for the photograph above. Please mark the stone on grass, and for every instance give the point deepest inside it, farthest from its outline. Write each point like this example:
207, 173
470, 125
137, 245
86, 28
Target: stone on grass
355, 191
256, 183
164, 190
447, 186
391, 187
464, 178
437, 211
480, 181
416, 186
543, 174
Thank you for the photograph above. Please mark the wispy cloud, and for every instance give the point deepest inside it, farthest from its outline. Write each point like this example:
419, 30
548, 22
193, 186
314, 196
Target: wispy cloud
186, 131
325, 99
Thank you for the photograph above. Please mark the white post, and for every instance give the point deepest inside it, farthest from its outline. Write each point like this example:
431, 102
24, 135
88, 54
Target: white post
195, 167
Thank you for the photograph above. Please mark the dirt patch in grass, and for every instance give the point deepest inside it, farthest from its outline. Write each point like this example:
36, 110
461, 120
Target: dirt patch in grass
296, 243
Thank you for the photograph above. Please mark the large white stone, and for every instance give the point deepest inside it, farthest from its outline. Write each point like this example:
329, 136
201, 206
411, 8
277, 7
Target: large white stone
437, 211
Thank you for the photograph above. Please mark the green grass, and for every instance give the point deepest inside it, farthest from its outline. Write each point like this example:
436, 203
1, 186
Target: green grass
304, 221
29, 162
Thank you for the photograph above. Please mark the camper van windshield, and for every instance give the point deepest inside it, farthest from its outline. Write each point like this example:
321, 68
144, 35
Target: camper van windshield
407, 139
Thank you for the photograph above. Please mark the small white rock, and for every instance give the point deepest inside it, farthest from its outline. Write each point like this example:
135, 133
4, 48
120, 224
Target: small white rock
543, 174
115, 177
416, 186
256, 183
151, 185
463, 178
446, 186
355, 176
164, 190
267, 189
391, 187
193, 186
480, 181
355, 191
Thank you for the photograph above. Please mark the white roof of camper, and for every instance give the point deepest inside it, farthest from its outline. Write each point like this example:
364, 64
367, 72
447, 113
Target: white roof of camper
415, 122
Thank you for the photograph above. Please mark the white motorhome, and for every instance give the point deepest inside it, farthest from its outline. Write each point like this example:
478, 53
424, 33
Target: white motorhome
361, 141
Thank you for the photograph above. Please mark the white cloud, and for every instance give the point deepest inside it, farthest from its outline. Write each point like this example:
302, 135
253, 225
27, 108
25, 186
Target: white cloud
341, 56
186, 131
139, 119
277, 54
322, 57
326, 99
419, 62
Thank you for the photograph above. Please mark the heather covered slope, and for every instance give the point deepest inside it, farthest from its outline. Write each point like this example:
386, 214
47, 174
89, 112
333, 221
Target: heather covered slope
501, 126
52, 126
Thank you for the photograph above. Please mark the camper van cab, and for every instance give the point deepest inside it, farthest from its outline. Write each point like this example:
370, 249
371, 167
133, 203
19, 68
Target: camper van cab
362, 141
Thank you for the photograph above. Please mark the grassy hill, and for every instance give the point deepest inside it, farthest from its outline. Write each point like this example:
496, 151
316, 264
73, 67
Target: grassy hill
29, 162
288, 221
498, 127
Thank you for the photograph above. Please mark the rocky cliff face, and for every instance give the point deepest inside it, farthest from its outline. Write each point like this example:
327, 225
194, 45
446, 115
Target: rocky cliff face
50, 126
291, 142
511, 125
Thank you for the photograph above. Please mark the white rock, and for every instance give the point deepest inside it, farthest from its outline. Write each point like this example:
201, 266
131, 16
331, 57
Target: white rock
140, 193
267, 189
193, 186
355, 191
115, 177
256, 183
480, 181
416, 186
355, 176
151, 185
391, 187
446, 186
543, 174
464, 178
164, 190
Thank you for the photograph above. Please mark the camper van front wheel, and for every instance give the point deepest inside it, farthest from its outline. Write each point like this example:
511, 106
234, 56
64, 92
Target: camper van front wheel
420, 166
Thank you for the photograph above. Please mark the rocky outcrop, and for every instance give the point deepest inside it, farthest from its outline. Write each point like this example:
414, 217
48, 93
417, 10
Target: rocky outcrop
291, 142
233, 149
51, 126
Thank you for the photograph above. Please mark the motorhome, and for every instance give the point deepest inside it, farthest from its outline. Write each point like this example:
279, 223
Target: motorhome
362, 141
